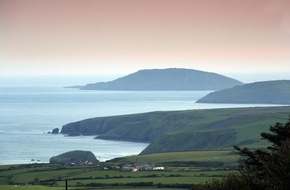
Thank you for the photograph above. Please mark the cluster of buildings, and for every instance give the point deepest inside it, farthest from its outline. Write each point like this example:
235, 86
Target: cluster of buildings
141, 167
125, 168
76, 162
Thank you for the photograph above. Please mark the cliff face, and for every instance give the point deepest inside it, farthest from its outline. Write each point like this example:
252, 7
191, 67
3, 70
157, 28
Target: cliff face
136, 127
267, 92
167, 79
184, 130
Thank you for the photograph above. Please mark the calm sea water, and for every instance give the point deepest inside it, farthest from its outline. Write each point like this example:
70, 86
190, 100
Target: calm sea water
28, 113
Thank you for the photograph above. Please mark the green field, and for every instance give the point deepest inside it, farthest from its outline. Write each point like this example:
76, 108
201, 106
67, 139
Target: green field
223, 158
36, 187
182, 170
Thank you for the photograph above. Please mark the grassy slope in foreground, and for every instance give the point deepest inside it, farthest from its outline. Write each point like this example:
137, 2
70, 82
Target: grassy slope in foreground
185, 130
82, 176
35, 187
268, 92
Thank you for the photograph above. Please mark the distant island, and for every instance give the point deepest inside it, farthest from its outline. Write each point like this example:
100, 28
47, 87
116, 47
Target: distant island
267, 92
171, 79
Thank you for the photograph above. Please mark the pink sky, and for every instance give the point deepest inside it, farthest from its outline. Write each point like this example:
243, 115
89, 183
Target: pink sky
121, 36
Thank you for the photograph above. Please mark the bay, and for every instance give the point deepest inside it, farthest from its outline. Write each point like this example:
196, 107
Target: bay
28, 113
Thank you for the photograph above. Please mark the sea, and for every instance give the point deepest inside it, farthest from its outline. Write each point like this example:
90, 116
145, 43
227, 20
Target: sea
27, 114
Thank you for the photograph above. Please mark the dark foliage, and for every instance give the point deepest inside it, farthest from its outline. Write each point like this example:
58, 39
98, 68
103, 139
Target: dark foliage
261, 169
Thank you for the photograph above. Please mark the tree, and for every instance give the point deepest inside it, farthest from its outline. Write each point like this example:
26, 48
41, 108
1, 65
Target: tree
261, 169
268, 168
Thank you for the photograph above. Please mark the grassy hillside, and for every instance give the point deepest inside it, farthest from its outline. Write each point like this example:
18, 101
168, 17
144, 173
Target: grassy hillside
185, 130
268, 92
214, 158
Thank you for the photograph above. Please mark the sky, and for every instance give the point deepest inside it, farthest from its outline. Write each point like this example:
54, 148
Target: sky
116, 37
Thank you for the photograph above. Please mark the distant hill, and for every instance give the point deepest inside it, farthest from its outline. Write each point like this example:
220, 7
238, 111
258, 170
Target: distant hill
166, 79
268, 92
184, 130
77, 157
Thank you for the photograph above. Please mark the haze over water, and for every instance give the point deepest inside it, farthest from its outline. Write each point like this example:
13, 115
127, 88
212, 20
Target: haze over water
71, 80
28, 113
46, 45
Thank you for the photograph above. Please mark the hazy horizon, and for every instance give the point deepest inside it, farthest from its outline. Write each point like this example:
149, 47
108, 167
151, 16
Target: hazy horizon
114, 38
71, 80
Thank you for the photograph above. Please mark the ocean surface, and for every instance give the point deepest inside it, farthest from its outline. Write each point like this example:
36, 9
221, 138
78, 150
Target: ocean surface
28, 113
